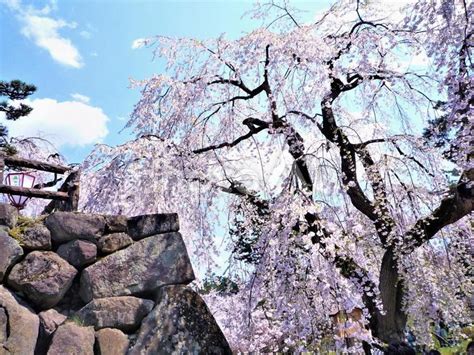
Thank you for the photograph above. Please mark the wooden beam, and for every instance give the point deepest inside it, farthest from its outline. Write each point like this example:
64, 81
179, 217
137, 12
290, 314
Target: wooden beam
34, 164
23, 191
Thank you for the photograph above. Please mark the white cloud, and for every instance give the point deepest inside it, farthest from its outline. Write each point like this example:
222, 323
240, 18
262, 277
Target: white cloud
12, 4
85, 34
81, 98
67, 123
44, 31
139, 42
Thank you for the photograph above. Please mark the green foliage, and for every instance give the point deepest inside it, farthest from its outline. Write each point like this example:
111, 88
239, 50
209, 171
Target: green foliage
8, 149
461, 341
245, 238
77, 320
13, 90
458, 349
222, 284
440, 133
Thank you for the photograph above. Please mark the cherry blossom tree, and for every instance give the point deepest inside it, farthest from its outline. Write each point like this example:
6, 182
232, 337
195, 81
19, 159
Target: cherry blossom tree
336, 156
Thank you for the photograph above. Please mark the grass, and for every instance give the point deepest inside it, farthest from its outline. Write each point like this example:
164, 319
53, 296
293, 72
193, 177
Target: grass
77, 320
455, 350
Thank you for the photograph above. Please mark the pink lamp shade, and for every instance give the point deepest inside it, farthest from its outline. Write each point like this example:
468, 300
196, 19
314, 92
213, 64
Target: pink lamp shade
22, 180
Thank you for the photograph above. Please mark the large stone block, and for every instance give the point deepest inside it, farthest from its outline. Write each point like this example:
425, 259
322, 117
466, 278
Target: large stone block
124, 312
18, 325
71, 338
50, 320
78, 252
115, 224
10, 253
112, 242
141, 268
66, 226
111, 342
180, 323
144, 226
43, 277
8, 215
37, 237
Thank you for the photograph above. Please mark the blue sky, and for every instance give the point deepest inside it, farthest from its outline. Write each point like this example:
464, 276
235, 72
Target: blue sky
79, 54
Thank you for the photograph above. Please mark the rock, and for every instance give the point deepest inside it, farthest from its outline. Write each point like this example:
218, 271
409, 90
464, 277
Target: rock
125, 313
139, 269
72, 301
18, 325
180, 323
113, 242
10, 253
78, 252
144, 226
66, 226
3, 326
72, 339
115, 224
37, 237
43, 277
8, 215
111, 342
50, 320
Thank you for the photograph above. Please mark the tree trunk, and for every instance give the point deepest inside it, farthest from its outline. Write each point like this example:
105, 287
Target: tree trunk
389, 327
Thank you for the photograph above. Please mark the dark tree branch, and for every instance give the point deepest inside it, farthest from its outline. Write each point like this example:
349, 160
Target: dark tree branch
412, 159
457, 205
48, 184
255, 126
293, 139
377, 212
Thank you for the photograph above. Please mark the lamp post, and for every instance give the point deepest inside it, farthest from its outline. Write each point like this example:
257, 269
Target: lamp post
20, 179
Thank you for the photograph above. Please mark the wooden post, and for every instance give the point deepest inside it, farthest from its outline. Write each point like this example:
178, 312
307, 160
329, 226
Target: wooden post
72, 203
71, 188
2, 167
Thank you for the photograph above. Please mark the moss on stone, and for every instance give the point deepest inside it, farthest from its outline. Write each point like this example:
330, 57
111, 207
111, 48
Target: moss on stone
23, 223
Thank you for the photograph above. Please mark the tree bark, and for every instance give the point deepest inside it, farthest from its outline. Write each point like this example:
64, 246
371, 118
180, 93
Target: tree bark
389, 326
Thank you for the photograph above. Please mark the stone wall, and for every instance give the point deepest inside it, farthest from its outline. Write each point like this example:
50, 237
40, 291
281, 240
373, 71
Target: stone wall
74, 283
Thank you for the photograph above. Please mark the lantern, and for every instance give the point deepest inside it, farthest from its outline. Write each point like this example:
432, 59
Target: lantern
19, 179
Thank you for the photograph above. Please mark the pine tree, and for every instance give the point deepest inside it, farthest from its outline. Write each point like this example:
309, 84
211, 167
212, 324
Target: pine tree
13, 90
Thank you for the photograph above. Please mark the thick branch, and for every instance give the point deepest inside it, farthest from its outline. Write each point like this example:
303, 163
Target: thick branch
348, 162
294, 140
458, 204
377, 212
